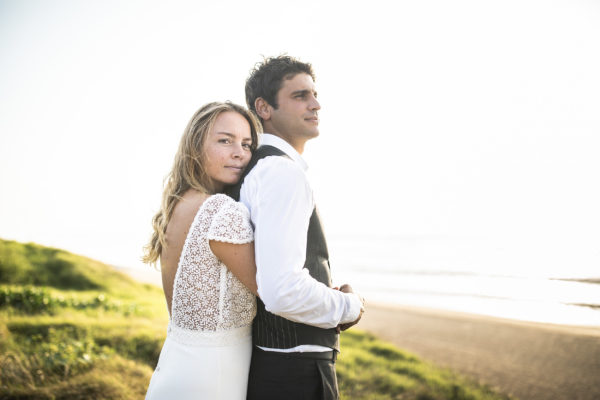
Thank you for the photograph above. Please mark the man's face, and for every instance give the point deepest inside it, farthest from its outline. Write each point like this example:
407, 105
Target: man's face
296, 117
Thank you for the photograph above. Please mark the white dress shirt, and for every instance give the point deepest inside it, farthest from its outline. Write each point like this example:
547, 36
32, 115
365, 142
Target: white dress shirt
280, 200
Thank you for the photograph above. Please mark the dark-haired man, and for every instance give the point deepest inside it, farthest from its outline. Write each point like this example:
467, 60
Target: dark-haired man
296, 330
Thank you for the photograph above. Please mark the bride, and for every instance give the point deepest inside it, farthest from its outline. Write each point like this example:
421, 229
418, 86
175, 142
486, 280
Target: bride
203, 240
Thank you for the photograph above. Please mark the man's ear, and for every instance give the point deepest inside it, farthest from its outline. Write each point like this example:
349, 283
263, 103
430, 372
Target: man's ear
263, 109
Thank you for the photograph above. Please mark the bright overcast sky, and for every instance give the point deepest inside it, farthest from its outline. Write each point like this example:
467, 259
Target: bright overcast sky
439, 118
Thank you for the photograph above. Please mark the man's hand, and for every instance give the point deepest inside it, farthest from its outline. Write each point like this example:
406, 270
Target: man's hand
348, 289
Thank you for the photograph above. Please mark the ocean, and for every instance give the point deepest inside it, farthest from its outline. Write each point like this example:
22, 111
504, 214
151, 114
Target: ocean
527, 283
487, 277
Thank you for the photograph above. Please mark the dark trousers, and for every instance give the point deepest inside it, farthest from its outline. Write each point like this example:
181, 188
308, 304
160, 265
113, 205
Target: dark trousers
294, 376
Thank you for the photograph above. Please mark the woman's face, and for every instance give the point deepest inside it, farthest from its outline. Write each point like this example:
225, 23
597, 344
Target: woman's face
227, 149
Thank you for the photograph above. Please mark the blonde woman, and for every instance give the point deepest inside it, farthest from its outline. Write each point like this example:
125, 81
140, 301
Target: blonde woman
203, 240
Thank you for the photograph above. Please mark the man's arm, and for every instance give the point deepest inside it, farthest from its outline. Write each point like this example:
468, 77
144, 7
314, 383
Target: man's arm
280, 201
342, 327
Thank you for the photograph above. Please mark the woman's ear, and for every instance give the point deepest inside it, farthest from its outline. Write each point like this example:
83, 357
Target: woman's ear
263, 109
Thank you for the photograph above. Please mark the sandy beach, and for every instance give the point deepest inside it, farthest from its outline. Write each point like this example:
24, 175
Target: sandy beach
528, 360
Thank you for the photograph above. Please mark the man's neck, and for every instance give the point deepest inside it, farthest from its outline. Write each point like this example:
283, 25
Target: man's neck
275, 141
298, 145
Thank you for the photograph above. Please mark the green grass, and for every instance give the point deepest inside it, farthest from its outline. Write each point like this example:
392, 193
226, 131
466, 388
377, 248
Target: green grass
369, 368
74, 328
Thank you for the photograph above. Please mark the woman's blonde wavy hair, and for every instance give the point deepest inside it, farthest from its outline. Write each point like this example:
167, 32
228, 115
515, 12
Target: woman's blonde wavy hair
188, 170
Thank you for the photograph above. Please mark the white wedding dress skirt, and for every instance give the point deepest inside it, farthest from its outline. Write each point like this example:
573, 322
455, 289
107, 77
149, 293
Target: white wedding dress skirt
202, 365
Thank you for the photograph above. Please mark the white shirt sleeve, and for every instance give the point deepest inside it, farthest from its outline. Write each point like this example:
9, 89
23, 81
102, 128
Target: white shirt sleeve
280, 200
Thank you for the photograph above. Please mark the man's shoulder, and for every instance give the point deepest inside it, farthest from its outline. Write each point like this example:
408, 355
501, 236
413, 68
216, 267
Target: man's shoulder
274, 166
270, 153
276, 176
268, 150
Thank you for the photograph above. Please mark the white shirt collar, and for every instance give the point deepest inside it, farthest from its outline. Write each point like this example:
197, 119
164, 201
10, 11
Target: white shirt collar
269, 139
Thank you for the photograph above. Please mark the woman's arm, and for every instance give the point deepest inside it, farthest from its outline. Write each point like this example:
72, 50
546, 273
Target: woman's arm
239, 258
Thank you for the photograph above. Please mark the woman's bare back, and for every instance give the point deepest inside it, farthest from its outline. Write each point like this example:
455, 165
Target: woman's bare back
177, 231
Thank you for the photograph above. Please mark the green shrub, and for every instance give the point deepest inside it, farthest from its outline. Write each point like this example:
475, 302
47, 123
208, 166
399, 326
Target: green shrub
38, 300
26, 299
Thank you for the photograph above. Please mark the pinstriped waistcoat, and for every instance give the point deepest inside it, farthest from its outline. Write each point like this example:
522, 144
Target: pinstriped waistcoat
270, 330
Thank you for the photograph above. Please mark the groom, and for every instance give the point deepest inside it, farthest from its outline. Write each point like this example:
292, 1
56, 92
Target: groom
296, 329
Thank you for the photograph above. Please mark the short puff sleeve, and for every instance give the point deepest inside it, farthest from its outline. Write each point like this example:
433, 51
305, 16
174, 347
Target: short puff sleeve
231, 223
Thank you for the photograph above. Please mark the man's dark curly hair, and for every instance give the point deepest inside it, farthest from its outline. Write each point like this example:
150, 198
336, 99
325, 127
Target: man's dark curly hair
267, 77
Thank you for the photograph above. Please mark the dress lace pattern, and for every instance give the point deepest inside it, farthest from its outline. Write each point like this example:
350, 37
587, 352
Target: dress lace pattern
207, 297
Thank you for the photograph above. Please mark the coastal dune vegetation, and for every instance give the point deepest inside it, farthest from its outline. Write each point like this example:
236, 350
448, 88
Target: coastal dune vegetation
75, 328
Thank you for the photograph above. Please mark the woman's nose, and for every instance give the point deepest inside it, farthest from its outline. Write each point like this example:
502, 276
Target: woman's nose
238, 151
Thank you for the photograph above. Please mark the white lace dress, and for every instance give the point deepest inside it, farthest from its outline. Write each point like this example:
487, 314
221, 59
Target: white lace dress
206, 354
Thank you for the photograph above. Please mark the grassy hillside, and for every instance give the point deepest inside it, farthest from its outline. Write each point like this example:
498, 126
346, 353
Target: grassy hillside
74, 328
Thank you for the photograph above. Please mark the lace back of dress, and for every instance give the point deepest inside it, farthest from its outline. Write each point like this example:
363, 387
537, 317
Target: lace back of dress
206, 295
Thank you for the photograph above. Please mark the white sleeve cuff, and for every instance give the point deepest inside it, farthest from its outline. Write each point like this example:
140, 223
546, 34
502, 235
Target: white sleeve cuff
353, 308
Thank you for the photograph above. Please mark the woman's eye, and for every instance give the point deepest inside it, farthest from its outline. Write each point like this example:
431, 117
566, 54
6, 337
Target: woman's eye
225, 141
247, 145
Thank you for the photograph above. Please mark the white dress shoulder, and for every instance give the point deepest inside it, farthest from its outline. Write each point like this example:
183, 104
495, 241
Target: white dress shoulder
206, 354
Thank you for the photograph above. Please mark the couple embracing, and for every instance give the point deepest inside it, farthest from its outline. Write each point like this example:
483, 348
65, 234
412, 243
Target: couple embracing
243, 256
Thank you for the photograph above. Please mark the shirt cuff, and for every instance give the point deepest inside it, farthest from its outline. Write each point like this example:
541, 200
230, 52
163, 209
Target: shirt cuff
354, 306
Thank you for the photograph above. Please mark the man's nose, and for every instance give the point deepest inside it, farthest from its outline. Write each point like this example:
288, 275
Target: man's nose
314, 104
